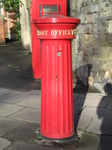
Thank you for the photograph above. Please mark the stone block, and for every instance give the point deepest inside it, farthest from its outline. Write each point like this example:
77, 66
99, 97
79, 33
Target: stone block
95, 96
106, 143
89, 42
109, 105
89, 29
88, 19
104, 52
25, 132
28, 114
83, 122
88, 141
7, 109
109, 28
106, 40
76, 96
77, 110
80, 102
97, 113
102, 26
107, 98
95, 103
105, 10
100, 126
4, 143
12, 96
7, 124
73, 5
30, 103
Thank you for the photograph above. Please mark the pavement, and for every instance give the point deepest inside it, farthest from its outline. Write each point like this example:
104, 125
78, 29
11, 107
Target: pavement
20, 107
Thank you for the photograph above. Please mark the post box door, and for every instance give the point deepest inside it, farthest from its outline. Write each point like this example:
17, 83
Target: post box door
40, 8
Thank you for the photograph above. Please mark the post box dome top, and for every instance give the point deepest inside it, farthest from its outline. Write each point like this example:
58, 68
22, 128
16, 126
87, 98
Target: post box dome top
56, 18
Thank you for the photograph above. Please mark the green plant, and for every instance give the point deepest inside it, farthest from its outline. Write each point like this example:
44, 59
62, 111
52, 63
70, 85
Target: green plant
13, 6
18, 28
95, 1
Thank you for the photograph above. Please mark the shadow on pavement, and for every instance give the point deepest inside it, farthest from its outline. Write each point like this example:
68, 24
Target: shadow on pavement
16, 68
80, 92
105, 116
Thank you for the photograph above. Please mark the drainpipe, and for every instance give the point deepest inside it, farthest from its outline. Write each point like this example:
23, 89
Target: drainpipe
1, 9
9, 35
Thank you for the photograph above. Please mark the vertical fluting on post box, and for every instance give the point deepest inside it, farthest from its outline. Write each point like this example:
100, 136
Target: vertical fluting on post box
57, 96
57, 117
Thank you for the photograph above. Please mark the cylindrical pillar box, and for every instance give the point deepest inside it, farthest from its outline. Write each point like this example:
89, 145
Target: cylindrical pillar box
57, 111
57, 97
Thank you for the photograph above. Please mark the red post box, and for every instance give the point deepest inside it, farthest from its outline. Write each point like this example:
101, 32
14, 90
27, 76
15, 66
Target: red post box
57, 114
40, 8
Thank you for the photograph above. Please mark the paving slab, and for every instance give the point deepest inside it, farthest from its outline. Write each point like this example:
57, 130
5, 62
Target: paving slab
95, 95
9, 96
88, 142
7, 124
100, 126
9, 91
4, 143
106, 143
31, 103
95, 103
107, 98
80, 101
7, 109
77, 109
17, 96
83, 122
28, 114
35, 92
83, 95
89, 111
91, 102
12, 99
97, 112
25, 132
13, 96
109, 105
26, 146
76, 96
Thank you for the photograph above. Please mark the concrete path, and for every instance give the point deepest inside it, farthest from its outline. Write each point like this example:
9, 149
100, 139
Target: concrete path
20, 106
20, 120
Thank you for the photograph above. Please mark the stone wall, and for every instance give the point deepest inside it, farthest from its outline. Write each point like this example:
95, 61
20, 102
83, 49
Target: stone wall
92, 48
25, 25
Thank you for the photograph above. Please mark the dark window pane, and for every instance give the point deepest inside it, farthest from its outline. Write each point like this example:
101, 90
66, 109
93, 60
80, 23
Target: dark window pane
49, 8
40, 8
59, 9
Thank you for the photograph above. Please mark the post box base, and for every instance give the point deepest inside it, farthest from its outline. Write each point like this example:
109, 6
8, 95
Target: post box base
74, 137
56, 136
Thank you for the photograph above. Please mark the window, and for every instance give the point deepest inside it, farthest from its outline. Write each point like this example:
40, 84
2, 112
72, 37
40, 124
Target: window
49, 9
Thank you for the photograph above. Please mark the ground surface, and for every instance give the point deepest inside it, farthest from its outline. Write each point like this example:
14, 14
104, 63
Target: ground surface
16, 67
20, 108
